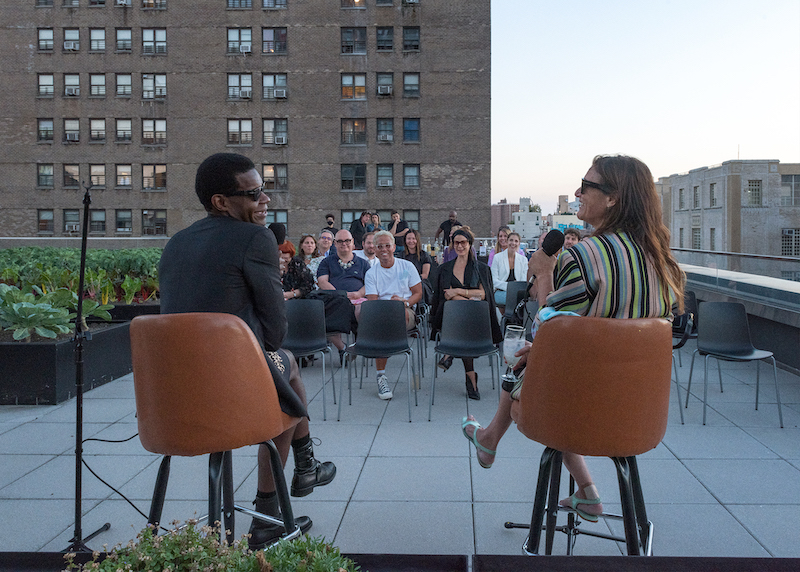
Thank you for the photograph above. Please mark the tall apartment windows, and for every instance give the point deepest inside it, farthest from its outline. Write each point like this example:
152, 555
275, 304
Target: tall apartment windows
273, 40
44, 221
384, 81
46, 84
383, 3
354, 40
154, 177
124, 131
44, 131
97, 85
790, 190
97, 130
44, 3
97, 2
385, 174
712, 194
72, 131
411, 130
411, 176
681, 199
123, 85
97, 220
790, 242
411, 85
154, 41
276, 177
44, 175
72, 220
46, 40
154, 4
124, 40
354, 86
154, 131
281, 216
412, 218
97, 175
680, 238
712, 239
240, 40
154, 86
97, 40
354, 177
353, 4
753, 194
154, 221
385, 39
274, 4
696, 197
411, 38
72, 177
240, 4
240, 131
274, 85
240, 86
276, 131
385, 129
696, 238
354, 131
123, 220
124, 175
72, 40
72, 85
69, 3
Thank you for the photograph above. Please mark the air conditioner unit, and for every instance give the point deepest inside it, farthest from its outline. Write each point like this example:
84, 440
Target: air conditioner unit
384, 90
384, 182
72, 46
244, 48
411, 1
245, 93
279, 93
72, 227
280, 139
72, 136
73, 91
385, 137
123, 2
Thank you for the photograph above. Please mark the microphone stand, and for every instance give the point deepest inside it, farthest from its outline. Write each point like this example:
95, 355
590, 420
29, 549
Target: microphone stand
78, 543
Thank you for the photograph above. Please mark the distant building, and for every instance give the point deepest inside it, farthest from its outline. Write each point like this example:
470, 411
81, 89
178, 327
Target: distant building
739, 206
564, 221
526, 222
502, 213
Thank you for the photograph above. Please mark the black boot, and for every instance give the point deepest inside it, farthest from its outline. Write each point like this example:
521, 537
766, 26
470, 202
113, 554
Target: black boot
472, 392
263, 533
308, 472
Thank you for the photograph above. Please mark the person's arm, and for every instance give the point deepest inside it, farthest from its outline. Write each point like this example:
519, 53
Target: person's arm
426, 270
358, 294
403, 229
372, 296
324, 283
500, 271
438, 232
262, 274
542, 267
416, 294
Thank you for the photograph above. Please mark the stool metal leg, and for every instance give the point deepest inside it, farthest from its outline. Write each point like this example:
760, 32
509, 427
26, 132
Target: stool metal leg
531, 545
228, 512
215, 488
552, 502
626, 499
159, 492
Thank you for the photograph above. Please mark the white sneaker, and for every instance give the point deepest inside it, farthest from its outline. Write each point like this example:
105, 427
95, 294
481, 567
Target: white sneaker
383, 387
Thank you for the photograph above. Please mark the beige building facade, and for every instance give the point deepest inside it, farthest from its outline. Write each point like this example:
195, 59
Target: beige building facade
344, 106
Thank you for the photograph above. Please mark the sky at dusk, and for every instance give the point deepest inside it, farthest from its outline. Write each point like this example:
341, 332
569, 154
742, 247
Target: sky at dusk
679, 84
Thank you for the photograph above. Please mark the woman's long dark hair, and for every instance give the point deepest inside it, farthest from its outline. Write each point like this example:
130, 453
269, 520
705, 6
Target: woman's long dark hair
637, 212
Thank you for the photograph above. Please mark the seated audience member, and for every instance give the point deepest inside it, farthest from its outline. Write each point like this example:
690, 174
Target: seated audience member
310, 255
325, 244
421, 260
228, 262
572, 236
392, 279
625, 269
343, 271
502, 243
508, 266
464, 278
296, 279
368, 252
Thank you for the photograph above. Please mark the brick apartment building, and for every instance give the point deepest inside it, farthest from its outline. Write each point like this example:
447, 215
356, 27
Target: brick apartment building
344, 105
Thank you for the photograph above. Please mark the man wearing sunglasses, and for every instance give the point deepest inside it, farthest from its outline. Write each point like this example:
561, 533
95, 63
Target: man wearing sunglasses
228, 262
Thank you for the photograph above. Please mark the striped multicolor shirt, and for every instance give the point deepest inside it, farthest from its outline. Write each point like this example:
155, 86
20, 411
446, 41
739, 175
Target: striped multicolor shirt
609, 276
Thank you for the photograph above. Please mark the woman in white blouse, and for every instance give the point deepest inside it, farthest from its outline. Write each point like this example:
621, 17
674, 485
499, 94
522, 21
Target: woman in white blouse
508, 266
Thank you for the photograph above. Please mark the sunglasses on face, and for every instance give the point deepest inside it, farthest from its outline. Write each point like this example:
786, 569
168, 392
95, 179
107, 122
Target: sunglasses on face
344, 241
586, 184
253, 194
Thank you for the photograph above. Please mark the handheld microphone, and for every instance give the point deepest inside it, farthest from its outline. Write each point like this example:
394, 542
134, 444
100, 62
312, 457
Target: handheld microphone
279, 230
553, 242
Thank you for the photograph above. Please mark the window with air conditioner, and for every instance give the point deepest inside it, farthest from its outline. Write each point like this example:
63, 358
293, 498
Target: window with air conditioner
240, 40
72, 39
385, 174
385, 129
72, 130
276, 131
123, 3
240, 86
384, 81
245, 94
72, 85
274, 85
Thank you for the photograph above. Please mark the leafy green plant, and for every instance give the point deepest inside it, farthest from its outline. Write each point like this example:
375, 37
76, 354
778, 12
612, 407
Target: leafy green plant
23, 314
131, 286
192, 548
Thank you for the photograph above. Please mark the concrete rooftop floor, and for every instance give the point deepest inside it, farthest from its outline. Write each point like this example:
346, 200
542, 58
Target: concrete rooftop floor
718, 490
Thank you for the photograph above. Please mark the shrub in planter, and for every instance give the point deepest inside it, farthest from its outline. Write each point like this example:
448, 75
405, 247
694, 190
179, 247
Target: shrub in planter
193, 548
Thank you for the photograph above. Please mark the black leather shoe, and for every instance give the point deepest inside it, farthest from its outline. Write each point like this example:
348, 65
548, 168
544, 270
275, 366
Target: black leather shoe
446, 362
473, 393
262, 534
309, 472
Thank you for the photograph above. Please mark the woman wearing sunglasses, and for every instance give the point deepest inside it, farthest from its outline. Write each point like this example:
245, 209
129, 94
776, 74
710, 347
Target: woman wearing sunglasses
623, 270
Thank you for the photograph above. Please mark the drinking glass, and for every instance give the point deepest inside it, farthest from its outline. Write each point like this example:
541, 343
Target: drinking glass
512, 343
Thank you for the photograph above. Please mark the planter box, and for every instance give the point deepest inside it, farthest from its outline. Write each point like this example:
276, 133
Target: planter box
43, 373
127, 312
